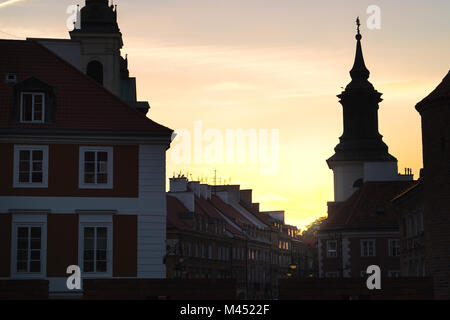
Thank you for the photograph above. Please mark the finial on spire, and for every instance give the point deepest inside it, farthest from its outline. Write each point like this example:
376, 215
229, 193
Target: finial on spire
358, 24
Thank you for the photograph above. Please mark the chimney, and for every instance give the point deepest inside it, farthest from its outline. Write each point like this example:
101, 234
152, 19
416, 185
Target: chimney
178, 184
205, 191
246, 196
194, 186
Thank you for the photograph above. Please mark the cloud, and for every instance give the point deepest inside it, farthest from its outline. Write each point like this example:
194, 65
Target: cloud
9, 3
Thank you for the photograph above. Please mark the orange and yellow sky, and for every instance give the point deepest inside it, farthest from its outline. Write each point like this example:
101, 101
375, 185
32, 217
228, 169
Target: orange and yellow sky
270, 64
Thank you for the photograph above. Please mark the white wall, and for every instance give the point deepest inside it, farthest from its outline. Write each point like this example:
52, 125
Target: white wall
152, 214
345, 175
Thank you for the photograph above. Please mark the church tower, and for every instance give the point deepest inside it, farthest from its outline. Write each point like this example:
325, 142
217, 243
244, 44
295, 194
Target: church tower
101, 40
361, 154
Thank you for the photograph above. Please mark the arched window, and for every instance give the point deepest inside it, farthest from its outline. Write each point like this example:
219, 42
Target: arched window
95, 71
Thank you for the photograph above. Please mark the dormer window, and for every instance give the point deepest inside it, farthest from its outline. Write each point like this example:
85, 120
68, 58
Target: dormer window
34, 102
32, 107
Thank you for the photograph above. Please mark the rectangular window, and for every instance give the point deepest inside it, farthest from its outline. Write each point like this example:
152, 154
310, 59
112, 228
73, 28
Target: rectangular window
32, 107
28, 249
367, 248
394, 247
28, 245
331, 248
30, 166
95, 249
96, 167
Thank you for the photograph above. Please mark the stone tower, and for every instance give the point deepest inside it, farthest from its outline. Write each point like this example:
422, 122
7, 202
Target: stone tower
435, 113
361, 154
101, 41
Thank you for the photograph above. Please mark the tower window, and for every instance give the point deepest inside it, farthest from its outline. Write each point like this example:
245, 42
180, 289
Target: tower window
95, 71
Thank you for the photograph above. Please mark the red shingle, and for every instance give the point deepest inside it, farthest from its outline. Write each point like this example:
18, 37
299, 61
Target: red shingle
360, 210
81, 103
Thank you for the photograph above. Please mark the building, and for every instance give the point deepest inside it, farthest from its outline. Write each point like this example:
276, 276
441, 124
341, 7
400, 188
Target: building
435, 113
94, 48
83, 175
410, 206
217, 232
363, 232
362, 227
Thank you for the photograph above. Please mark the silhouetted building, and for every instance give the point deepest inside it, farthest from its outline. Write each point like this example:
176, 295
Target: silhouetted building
435, 113
361, 228
83, 175
94, 49
361, 154
217, 232
410, 206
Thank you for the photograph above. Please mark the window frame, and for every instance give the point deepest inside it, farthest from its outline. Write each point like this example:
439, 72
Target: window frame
45, 165
391, 247
110, 168
328, 248
92, 222
33, 94
374, 248
29, 221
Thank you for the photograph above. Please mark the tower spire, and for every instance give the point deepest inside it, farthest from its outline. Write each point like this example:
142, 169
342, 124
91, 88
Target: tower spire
359, 72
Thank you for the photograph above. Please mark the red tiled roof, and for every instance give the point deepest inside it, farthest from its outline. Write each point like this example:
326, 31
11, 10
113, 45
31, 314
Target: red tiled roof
230, 212
209, 209
175, 206
81, 103
442, 91
261, 216
360, 210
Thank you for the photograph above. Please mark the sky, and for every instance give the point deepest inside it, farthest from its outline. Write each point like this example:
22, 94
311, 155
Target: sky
271, 69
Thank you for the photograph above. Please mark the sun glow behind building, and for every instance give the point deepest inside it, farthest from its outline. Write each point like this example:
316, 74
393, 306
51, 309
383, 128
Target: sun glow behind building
266, 65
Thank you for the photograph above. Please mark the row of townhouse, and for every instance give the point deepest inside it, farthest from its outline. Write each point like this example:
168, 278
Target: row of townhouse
217, 232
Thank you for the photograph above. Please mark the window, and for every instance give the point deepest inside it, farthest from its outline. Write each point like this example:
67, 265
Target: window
367, 248
96, 167
28, 253
30, 167
95, 248
394, 247
94, 70
28, 245
331, 248
32, 107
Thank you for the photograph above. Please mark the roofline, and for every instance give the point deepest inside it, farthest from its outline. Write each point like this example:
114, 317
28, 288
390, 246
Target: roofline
96, 137
71, 132
94, 83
